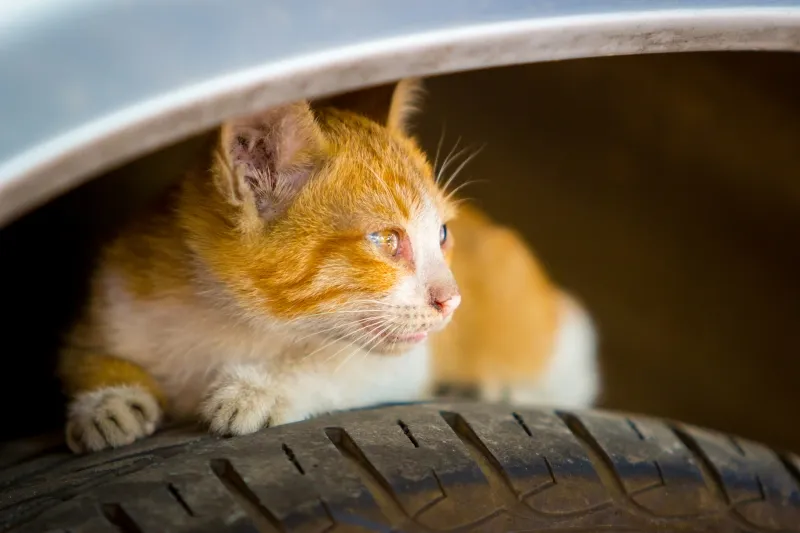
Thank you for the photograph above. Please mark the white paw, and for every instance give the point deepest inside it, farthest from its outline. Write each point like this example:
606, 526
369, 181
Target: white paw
110, 417
242, 400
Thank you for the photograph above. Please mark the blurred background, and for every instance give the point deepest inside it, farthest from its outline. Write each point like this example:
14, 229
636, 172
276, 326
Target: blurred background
663, 190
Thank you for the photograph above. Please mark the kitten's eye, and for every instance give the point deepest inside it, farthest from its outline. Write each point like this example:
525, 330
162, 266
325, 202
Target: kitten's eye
443, 235
387, 240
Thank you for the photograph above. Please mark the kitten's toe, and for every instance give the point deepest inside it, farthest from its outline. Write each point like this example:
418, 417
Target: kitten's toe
240, 402
110, 417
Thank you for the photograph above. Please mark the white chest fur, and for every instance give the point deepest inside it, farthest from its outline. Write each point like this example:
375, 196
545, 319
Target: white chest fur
364, 380
244, 397
192, 349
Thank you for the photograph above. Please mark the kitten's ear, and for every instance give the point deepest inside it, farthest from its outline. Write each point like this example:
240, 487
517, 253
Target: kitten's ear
390, 105
405, 102
263, 161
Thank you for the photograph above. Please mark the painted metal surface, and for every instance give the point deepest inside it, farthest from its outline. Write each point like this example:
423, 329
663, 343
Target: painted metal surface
86, 84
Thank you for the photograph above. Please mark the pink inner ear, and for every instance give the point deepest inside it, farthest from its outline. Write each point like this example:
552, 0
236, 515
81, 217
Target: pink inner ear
272, 185
251, 149
268, 150
250, 153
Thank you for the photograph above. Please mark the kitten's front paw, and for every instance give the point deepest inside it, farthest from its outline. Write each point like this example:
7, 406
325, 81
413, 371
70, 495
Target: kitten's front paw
110, 417
242, 400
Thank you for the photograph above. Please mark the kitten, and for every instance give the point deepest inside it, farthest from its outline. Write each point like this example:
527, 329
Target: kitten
303, 273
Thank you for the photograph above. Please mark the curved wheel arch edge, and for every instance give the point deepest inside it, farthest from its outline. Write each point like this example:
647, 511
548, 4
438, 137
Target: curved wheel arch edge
56, 165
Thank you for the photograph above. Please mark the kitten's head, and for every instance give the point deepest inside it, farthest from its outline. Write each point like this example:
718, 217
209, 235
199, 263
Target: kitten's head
332, 223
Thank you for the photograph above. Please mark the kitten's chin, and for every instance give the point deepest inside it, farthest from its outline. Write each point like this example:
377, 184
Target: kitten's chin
399, 344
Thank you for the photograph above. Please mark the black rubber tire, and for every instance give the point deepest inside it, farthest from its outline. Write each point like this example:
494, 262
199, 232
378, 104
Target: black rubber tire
431, 467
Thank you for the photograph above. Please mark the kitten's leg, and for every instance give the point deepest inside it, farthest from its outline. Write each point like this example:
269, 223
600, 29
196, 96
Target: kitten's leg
243, 399
112, 402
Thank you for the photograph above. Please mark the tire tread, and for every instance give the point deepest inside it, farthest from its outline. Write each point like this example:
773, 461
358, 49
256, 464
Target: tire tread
466, 467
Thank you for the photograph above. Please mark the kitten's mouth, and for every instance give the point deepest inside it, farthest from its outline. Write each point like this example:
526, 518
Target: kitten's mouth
407, 338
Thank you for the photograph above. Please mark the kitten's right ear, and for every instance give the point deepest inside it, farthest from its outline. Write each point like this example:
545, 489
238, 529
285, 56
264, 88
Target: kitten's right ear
372, 102
390, 104
405, 102
264, 160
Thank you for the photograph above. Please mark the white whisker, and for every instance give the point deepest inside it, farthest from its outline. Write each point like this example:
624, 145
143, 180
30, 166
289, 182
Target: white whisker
387, 304
447, 160
454, 191
367, 334
334, 341
377, 302
372, 347
335, 312
371, 342
458, 201
438, 151
337, 326
460, 168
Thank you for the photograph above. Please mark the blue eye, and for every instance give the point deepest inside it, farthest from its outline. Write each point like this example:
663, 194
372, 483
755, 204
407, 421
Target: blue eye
442, 234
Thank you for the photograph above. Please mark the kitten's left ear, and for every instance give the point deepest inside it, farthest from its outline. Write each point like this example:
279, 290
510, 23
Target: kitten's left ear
264, 160
390, 105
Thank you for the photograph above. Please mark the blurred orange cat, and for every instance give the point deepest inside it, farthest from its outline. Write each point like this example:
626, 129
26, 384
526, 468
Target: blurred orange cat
309, 271
517, 336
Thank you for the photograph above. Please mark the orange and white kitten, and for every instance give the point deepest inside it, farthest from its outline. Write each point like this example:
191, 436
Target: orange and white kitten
304, 273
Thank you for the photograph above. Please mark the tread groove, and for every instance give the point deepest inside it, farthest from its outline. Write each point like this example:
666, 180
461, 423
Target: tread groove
116, 515
707, 468
522, 423
329, 514
245, 497
737, 446
408, 433
660, 473
761, 490
39, 503
178, 498
550, 470
372, 479
791, 467
486, 461
439, 483
433, 503
594, 450
292, 458
635, 428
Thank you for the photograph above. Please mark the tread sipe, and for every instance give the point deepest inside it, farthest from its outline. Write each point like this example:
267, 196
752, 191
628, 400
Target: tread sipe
432, 467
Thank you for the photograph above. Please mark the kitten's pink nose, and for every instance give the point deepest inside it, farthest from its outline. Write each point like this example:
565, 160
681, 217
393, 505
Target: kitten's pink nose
445, 299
